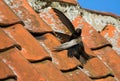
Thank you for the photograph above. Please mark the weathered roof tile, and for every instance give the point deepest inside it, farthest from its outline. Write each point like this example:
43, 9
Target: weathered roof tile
49, 71
100, 69
111, 33
77, 75
6, 41
24, 58
5, 72
90, 36
54, 20
106, 79
60, 59
20, 66
88, 50
31, 19
7, 16
31, 49
111, 58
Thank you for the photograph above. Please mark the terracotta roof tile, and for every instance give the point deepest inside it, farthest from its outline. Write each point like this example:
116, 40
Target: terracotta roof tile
7, 17
88, 50
90, 36
60, 59
5, 72
31, 19
106, 79
77, 75
21, 67
6, 41
49, 71
70, 1
112, 35
30, 56
31, 49
110, 58
100, 69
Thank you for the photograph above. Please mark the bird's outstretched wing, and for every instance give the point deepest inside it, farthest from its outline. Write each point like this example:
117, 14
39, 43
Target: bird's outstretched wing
65, 21
68, 44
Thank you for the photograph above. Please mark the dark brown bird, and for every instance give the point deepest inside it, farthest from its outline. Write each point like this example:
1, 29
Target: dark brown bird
74, 46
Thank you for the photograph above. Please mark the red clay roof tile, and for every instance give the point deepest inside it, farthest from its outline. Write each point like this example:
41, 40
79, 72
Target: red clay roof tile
31, 19
70, 1
49, 71
77, 75
106, 79
60, 59
5, 72
88, 50
20, 66
36, 56
100, 69
90, 36
113, 36
5, 41
110, 58
31, 49
7, 17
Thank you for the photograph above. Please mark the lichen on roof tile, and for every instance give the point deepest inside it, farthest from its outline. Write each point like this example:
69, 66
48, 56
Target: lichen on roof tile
90, 36
7, 16
31, 19
112, 35
52, 18
36, 55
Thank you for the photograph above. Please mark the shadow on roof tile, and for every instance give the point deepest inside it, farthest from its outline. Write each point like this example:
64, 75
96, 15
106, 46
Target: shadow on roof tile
113, 36
31, 49
49, 71
20, 66
109, 57
7, 16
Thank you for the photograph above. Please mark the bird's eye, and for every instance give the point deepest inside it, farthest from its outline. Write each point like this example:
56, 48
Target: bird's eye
78, 31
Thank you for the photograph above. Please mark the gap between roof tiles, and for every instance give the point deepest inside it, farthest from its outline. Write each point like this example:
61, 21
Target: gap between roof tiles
9, 79
94, 78
97, 48
14, 46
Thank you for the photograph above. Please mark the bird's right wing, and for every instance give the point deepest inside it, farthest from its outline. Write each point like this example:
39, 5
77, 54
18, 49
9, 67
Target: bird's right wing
65, 21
